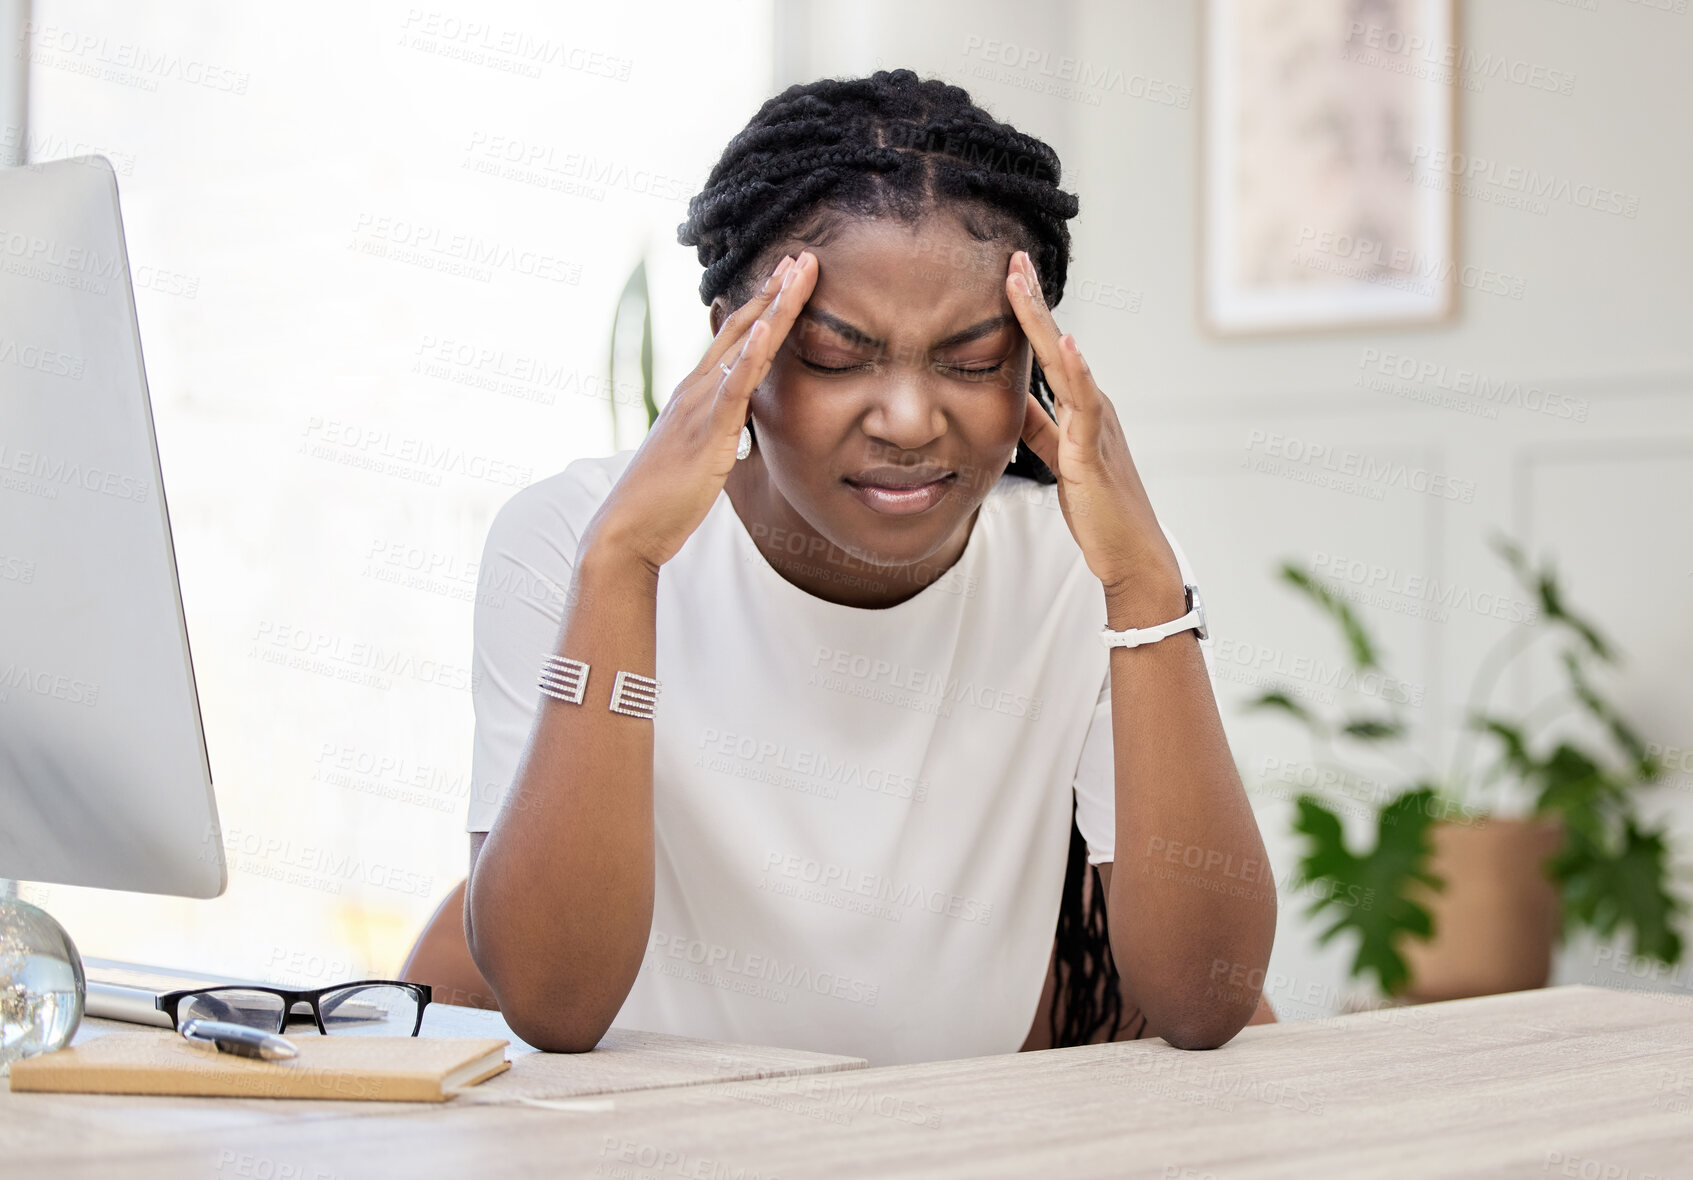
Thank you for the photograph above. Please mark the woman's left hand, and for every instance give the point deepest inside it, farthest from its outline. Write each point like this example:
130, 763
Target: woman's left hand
1099, 489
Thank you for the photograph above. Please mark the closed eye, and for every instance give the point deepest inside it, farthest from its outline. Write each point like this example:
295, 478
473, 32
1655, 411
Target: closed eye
967, 369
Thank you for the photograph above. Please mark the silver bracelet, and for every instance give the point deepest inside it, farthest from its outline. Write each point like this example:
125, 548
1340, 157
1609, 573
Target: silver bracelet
632, 694
563, 678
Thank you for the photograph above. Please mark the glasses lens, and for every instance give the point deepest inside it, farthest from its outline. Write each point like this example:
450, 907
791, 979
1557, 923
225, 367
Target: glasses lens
235, 1005
370, 1010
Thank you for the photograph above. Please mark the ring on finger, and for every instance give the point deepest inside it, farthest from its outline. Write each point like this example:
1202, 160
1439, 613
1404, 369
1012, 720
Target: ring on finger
727, 372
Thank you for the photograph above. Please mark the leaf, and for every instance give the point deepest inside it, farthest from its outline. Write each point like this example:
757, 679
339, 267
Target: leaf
1544, 584
1368, 895
1513, 555
634, 292
1551, 601
1626, 889
1572, 783
1645, 764
646, 347
1357, 639
1517, 756
1277, 699
1373, 729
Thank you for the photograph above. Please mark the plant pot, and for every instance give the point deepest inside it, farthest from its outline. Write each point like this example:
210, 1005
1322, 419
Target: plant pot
1497, 920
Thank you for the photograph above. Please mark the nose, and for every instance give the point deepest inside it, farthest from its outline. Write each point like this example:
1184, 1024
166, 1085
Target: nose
904, 412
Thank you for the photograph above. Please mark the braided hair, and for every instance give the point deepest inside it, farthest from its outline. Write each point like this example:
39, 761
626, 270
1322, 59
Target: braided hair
894, 145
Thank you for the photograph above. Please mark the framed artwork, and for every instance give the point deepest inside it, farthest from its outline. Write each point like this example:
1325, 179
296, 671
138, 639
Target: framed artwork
1326, 200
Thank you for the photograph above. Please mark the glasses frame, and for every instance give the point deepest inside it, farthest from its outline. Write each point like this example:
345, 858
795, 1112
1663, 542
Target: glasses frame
170, 1001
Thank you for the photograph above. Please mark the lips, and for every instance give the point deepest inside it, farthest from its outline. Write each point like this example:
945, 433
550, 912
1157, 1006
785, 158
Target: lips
899, 478
905, 497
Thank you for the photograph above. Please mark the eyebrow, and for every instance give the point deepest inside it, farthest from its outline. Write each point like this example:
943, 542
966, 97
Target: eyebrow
860, 337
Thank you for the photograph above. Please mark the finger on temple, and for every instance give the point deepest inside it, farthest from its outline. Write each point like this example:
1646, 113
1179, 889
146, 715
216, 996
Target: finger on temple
729, 406
733, 329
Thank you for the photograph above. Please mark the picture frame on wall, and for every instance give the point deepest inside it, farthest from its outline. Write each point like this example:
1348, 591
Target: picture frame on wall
1328, 129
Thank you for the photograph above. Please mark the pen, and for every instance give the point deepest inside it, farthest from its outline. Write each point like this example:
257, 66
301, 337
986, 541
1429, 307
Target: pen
240, 1040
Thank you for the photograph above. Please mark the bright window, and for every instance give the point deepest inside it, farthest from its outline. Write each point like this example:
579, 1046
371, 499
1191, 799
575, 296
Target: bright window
377, 249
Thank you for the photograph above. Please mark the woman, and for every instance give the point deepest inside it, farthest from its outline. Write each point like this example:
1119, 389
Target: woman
878, 757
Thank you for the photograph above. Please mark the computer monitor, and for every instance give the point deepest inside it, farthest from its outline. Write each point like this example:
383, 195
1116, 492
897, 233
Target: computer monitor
104, 776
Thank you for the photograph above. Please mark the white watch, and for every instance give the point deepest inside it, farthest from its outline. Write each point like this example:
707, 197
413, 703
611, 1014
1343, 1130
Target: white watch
1194, 620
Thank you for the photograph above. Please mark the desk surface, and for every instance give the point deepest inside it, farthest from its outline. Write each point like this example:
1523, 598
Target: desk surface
623, 1060
48, 1128
1576, 1081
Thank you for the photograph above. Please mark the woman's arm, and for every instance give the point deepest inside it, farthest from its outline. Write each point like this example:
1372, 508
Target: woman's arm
1196, 897
1196, 902
1262, 1013
1131, 1026
560, 898
561, 892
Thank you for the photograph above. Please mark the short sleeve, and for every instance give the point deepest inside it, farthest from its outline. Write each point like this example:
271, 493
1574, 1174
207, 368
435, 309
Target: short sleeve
1096, 771
527, 563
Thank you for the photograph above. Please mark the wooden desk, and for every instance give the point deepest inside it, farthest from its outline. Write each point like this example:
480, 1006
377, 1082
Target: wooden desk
45, 1128
1572, 1081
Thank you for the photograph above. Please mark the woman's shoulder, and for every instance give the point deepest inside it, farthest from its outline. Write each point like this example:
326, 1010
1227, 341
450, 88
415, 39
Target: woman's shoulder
551, 512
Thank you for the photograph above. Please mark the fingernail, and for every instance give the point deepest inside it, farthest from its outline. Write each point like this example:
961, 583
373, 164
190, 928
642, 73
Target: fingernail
789, 276
1021, 282
777, 273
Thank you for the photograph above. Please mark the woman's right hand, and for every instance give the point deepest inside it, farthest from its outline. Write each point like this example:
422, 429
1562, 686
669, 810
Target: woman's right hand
674, 477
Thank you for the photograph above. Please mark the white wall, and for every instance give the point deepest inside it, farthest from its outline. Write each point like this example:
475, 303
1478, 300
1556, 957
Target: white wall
1603, 319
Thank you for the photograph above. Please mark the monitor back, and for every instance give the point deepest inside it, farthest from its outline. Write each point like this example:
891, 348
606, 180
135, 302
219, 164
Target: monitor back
104, 777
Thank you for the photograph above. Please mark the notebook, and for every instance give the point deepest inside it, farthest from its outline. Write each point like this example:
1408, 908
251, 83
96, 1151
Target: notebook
375, 1069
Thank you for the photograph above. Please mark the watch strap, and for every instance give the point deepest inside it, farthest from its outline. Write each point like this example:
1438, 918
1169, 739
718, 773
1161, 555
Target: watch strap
1193, 620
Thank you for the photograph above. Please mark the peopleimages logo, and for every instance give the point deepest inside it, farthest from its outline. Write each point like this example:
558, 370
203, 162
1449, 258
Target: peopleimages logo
435, 247
1370, 579
1489, 391
1367, 40
711, 958
313, 865
510, 50
906, 894
46, 361
1372, 261
812, 771
512, 157
125, 62
1268, 661
37, 473
1090, 78
1526, 181
69, 689
1274, 453
928, 685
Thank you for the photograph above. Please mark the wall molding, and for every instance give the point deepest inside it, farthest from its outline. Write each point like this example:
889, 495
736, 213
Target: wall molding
1344, 399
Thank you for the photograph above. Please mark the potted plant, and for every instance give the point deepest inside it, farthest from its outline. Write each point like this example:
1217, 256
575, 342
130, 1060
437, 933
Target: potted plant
1454, 900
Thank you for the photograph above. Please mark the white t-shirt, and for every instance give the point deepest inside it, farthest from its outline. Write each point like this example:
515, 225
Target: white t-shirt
861, 816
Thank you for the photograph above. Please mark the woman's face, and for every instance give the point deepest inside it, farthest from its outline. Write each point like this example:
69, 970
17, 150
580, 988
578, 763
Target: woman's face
907, 366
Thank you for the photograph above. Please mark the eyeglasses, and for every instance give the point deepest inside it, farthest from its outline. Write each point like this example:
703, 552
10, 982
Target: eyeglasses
364, 1008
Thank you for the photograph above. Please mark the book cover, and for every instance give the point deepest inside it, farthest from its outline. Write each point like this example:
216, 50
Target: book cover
372, 1069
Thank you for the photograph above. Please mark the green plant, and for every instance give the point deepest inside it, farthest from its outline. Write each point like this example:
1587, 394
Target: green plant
634, 298
1612, 871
